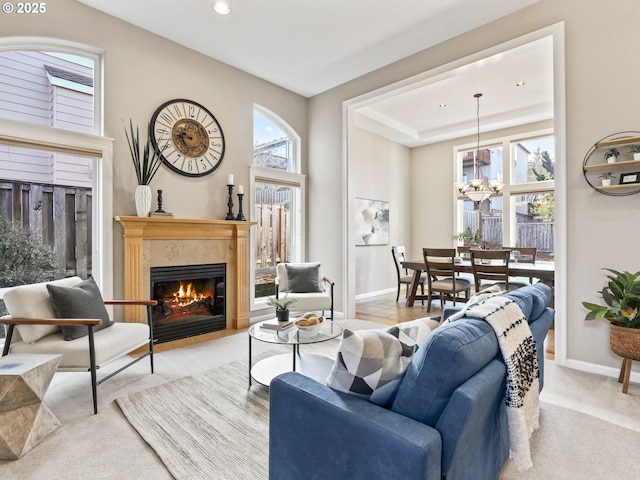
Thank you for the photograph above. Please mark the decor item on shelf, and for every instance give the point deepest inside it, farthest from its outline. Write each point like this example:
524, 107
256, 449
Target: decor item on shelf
477, 190
240, 216
621, 296
635, 150
160, 212
282, 306
611, 155
606, 178
145, 163
230, 198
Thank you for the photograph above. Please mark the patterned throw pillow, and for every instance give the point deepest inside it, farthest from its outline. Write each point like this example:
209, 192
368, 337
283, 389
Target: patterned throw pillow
371, 363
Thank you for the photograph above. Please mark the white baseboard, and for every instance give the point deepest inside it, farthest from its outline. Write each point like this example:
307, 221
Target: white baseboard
601, 369
375, 294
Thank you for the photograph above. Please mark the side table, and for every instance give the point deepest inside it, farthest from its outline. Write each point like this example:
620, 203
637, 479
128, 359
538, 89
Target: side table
25, 420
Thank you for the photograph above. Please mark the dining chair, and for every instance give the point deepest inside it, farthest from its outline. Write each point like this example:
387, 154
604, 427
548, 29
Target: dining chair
404, 277
491, 267
524, 255
442, 277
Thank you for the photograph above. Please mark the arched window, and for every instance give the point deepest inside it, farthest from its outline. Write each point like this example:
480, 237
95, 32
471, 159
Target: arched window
276, 201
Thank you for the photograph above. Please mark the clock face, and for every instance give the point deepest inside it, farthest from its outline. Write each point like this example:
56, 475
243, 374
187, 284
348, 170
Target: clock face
188, 138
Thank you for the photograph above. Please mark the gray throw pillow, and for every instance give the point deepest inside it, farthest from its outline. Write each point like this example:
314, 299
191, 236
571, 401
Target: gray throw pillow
303, 278
83, 300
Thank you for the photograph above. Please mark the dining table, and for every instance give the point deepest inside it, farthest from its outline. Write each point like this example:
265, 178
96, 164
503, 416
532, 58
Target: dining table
542, 270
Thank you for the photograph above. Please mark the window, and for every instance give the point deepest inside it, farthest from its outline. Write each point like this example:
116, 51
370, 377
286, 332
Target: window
51, 182
523, 216
276, 201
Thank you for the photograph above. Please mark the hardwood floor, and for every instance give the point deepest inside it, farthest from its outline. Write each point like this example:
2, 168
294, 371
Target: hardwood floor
384, 309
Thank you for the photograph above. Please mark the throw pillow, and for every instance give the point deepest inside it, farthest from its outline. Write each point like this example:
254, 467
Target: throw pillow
371, 363
80, 301
420, 328
303, 278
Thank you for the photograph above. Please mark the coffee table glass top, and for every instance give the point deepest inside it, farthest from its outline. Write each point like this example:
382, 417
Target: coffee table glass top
327, 331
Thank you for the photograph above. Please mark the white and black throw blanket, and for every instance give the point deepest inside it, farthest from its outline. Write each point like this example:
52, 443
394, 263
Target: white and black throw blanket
519, 351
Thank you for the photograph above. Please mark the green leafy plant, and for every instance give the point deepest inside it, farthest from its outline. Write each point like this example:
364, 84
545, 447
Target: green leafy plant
612, 152
145, 162
23, 257
281, 303
468, 237
621, 298
607, 175
635, 148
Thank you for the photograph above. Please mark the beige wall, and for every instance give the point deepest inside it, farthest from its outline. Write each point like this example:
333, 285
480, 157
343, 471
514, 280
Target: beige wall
383, 174
141, 72
601, 230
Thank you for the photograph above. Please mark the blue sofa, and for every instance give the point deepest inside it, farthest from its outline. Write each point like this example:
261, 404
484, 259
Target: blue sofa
448, 420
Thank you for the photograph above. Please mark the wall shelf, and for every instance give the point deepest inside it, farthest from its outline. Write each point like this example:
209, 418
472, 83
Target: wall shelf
595, 164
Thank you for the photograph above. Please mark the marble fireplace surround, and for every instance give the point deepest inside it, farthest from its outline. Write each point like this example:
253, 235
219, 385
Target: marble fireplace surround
163, 242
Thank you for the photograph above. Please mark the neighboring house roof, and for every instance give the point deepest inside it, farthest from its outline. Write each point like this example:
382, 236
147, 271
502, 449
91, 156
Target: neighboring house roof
69, 76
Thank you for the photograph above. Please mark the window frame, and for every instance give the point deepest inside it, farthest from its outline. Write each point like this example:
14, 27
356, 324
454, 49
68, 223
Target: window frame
510, 190
95, 146
294, 179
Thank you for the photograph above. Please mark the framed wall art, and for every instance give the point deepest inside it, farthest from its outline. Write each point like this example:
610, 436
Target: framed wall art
372, 222
626, 178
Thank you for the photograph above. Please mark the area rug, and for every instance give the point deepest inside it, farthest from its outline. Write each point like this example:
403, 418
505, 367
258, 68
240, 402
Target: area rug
208, 426
213, 426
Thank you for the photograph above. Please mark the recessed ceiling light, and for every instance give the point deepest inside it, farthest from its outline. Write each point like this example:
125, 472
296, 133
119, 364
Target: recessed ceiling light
519, 84
222, 8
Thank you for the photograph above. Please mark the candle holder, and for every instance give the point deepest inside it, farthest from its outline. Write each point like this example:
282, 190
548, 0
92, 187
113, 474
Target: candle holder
230, 204
240, 216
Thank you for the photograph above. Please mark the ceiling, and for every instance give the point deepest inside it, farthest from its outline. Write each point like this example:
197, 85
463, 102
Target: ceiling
311, 46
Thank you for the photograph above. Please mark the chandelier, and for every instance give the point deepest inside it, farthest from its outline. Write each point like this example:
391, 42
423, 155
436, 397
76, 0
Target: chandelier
477, 190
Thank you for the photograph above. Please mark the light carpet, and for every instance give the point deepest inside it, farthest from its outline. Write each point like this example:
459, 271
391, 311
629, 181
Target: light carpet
212, 426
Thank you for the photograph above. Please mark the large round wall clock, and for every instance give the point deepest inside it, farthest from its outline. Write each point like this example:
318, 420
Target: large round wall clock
187, 137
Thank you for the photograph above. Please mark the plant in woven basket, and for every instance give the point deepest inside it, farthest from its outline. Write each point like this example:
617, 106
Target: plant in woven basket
621, 296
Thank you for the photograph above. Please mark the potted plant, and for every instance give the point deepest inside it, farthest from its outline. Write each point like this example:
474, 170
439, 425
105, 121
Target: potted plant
469, 238
635, 149
146, 163
621, 297
606, 178
282, 306
611, 155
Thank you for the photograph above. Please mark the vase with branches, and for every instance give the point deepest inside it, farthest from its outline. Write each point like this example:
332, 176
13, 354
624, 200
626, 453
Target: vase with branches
146, 162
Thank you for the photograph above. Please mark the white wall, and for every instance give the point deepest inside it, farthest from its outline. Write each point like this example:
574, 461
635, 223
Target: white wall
383, 174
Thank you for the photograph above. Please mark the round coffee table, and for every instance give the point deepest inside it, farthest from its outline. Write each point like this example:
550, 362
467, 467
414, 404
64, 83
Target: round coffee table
308, 364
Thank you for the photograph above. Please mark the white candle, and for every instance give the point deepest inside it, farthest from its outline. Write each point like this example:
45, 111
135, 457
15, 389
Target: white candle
240, 189
230, 179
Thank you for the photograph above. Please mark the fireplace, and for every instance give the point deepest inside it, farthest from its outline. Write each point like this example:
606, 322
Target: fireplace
191, 300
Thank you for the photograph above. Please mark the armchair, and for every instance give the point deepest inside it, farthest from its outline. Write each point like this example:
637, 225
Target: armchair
306, 283
93, 340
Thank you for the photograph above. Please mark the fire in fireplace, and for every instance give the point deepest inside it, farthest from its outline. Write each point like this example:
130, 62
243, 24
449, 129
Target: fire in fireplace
191, 300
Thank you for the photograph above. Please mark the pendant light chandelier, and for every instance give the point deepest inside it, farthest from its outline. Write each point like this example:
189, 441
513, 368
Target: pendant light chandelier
477, 190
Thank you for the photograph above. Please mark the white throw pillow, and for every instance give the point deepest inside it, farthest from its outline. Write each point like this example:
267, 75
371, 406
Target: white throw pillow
371, 363
32, 301
420, 328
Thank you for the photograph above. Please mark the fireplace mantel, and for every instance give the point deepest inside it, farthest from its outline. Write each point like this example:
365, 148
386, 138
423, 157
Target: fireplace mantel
157, 241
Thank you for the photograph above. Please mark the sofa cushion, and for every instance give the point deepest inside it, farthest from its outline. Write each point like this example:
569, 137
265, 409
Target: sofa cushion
80, 301
371, 363
452, 354
303, 278
32, 301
